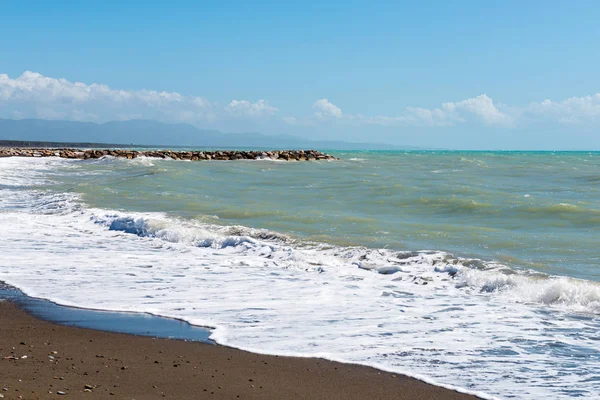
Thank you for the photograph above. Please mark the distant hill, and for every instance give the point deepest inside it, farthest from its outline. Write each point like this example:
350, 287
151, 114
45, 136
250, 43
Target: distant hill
151, 133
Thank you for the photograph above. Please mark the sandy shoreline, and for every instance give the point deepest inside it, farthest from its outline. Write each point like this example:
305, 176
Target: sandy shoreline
39, 359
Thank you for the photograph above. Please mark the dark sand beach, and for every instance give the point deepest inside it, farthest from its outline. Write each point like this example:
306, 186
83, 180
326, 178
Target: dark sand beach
42, 360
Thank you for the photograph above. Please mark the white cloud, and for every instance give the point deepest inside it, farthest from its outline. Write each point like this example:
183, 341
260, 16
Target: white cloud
33, 95
35, 87
481, 106
572, 110
324, 109
247, 109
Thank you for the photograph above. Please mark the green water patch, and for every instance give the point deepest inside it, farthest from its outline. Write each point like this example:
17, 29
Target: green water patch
539, 210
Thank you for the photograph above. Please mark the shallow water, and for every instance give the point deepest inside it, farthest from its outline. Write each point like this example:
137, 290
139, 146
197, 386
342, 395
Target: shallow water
328, 259
121, 322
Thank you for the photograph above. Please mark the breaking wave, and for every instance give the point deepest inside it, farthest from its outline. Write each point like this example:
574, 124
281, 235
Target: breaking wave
455, 321
424, 267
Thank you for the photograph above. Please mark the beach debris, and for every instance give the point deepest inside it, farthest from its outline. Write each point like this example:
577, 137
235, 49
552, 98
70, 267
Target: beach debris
62, 393
89, 388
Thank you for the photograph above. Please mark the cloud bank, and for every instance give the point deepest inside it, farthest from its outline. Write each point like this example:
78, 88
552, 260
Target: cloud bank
244, 108
33, 95
574, 110
480, 108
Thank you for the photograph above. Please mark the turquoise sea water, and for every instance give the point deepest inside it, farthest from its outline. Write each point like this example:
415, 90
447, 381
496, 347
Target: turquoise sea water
535, 210
476, 270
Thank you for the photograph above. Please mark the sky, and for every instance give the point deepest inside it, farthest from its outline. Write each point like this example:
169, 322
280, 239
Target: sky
436, 74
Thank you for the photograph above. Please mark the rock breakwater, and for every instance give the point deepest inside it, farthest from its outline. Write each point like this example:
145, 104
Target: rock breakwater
285, 155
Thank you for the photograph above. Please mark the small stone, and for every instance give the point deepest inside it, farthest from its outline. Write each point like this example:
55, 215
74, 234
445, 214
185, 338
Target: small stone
60, 392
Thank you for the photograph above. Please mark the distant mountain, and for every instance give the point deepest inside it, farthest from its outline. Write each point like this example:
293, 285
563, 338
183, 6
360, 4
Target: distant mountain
151, 133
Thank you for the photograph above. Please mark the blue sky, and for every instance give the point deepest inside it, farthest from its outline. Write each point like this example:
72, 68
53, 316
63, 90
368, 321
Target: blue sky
464, 74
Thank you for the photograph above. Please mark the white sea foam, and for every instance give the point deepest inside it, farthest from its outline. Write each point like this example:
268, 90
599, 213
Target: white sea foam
145, 161
573, 295
15, 172
443, 319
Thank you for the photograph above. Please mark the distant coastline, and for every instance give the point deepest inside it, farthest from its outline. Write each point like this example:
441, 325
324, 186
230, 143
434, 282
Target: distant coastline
152, 134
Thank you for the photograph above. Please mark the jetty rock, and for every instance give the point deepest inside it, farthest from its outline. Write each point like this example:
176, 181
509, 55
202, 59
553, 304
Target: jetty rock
85, 154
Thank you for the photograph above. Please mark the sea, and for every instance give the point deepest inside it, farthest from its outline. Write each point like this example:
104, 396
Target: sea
477, 271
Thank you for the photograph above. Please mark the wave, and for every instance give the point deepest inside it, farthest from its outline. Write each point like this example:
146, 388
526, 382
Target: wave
26, 172
571, 294
557, 209
440, 317
423, 267
271, 293
484, 276
527, 209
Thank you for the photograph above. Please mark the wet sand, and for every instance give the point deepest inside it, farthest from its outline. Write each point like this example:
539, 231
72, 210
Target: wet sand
42, 360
